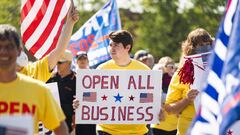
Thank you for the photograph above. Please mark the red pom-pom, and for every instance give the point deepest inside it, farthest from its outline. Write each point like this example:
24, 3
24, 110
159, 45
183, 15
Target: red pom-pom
186, 73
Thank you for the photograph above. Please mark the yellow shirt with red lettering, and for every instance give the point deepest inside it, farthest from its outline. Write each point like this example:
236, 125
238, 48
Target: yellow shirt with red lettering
176, 92
123, 129
25, 95
38, 70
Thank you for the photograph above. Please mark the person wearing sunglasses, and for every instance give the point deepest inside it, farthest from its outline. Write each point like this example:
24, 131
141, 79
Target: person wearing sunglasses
66, 81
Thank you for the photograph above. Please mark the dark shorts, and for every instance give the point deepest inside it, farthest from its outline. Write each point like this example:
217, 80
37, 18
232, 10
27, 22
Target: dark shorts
156, 131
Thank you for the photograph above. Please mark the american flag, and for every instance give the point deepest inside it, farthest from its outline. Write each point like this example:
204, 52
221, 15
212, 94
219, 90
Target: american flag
146, 97
90, 96
41, 24
223, 77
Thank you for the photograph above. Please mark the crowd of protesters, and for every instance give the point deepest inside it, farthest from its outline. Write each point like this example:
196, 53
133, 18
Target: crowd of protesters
23, 82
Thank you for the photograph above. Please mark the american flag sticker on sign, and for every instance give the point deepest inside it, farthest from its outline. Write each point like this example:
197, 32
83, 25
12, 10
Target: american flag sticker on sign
90, 96
146, 98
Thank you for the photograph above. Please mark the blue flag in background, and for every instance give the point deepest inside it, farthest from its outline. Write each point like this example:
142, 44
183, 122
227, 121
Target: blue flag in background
92, 36
220, 100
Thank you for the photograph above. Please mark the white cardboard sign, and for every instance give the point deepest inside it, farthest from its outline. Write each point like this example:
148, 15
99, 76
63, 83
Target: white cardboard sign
17, 125
200, 62
54, 91
118, 96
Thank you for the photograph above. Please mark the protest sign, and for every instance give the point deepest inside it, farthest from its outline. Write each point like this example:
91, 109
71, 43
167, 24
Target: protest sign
16, 125
118, 96
54, 90
200, 62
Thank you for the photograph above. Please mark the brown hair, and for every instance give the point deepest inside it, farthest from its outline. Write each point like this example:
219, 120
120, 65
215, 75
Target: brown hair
122, 36
195, 38
8, 32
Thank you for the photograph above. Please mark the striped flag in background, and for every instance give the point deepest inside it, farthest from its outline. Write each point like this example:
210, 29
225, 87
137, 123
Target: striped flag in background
41, 24
223, 79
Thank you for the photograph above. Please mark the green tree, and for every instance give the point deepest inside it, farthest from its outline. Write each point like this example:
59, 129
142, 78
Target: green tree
10, 12
160, 28
164, 27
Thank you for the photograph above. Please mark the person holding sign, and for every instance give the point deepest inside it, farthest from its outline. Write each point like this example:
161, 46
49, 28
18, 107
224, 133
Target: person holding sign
180, 96
66, 81
21, 94
121, 43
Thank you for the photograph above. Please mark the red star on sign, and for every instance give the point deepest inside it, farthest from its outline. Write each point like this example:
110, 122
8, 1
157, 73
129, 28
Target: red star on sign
229, 132
131, 98
104, 97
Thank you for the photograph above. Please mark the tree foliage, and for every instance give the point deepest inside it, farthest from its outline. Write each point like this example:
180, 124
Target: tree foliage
160, 28
10, 12
164, 28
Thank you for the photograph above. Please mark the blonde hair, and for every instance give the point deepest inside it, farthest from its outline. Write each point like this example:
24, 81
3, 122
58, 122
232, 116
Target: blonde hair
165, 61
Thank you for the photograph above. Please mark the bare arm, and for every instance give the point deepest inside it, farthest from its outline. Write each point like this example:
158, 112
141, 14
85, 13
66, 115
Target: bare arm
62, 129
55, 55
179, 106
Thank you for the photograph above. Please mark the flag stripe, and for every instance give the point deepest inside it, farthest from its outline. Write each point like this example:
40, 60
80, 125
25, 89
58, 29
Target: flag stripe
55, 32
23, 3
221, 50
31, 15
210, 118
34, 23
42, 22
217, 66
55, 40
26, 7
215, 82
40, 30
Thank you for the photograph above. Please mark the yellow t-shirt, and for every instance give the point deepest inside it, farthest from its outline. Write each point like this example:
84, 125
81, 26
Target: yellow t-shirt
169, 124
123, 129
38, 70
29, 96
176, 92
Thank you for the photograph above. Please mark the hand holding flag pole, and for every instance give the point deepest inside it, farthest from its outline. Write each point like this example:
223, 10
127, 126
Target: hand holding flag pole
71, 19
72, 13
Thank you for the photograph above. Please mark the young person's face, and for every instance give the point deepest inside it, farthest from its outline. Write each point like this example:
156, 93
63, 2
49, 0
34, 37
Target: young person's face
82, 63
117, 50
8, 54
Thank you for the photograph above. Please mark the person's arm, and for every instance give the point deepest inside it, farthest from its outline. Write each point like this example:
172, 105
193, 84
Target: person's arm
55, 55
179, 106
62, 129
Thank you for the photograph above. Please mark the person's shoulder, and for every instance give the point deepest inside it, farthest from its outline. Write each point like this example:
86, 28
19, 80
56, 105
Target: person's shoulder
139, 65
31, 82
106, 64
